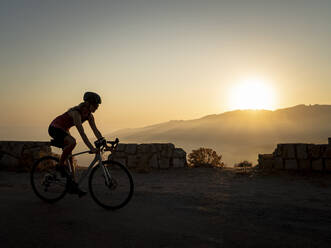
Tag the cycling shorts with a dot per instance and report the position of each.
(57, 134)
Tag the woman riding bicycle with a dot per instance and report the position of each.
(59, 128)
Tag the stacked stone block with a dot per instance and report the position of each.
(298, 156)
(20, 155)
(154, 155)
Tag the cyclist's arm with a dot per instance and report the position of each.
(78, 123)
(96, 132)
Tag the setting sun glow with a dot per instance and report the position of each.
(252, 93)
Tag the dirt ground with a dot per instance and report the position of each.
(176, 208)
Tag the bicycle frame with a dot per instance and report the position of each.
(97, 158)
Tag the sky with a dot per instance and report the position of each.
(155, 61)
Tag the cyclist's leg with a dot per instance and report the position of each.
(72, 167)
(66, 141)
(69, 145)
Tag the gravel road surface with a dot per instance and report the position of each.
(176, 208)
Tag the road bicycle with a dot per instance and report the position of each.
(110, 183)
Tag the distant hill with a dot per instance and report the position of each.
(240, 134)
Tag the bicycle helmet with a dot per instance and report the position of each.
(92, 98)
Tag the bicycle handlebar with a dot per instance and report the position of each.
(114, 143)
(102, 144)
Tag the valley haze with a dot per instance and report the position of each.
(241, 134)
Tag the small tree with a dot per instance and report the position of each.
(243, 164)
(204, 157)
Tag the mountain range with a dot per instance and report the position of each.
(241, 134)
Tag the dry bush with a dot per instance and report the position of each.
(244, 164)
(205, 157)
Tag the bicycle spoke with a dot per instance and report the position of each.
(46, 181)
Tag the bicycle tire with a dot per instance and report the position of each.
(95, 179)
(40, 168)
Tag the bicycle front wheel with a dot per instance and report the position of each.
(111, 185)
(46, 182)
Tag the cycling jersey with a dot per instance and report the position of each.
(65, 121)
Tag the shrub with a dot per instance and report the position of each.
(204, 157)
(243, 164)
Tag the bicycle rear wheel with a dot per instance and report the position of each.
(46, 182)
(115, 194)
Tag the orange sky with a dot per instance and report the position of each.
(155, 61)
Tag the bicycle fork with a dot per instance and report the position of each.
(106, 174)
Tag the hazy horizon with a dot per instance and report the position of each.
(39, 133)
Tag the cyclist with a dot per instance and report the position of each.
(59, 131)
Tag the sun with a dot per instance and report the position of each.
(252, 93)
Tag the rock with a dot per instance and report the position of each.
(302, 151)
(288, 151)
(132, 161)
(8, 162)
(117, 154)
(121, 161)
(328, 164)
(316, 151)
(179, 153)
(158, 146)
(291, 164)
(327, 152)
(267, 164)
(278, 151)
(178, 163)
(167, 146)
(317, 165)
(143, 163)
(121, 147)
(153, 162)
(147, 148)
(143, 148)
(167, 153)
(164, 163)
(279, 163)
(304, 164)
(154, 147)
(266, 161)
(41, 146)
(131, 148)
(265, 156)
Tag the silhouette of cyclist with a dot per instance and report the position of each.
(59, 131)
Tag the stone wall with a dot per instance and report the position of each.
(20, 155)
(148, 156)
(298, 156)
